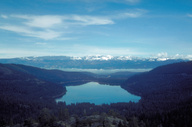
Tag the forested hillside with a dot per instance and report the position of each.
(164, 86)
(54, 76)
(22, 94)
(27, 99)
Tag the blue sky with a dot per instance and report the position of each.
(141, 28)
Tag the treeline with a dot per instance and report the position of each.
(163, 87)
(42, 114)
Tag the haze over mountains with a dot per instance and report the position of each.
(93, 62)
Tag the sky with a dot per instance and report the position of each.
(142, 28)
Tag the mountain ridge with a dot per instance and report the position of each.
(54, 76)
(105, 57)
(169, 83)
(93, 62)
(15, 82)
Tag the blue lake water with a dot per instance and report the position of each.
(94, 92)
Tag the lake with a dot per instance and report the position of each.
(96, 93)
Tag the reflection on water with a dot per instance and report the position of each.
(96, 93)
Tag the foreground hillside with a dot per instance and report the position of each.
(17, 83)
(22, 94)
(169, 84)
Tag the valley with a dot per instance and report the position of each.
(28, 97)
(95, 63)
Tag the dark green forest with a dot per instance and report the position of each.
(28, 94)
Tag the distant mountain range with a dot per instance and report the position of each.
(93, 62)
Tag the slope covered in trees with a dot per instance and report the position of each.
(27, 99)
(168, 84)
(23, 95)
(54, 76)
(17, 83)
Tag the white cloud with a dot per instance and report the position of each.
(134, 13)
(90, 20)
(162, 54)
(4, 16)
(178, 56)
(49, 27)
(189, 57)
(17, 29)
(45, 21)
(129, 15)
(189, 15)
(40, 43)
(52, 26)
(44, 34)
(48, 21)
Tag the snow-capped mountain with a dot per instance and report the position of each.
(94, 62)
(108, 57)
